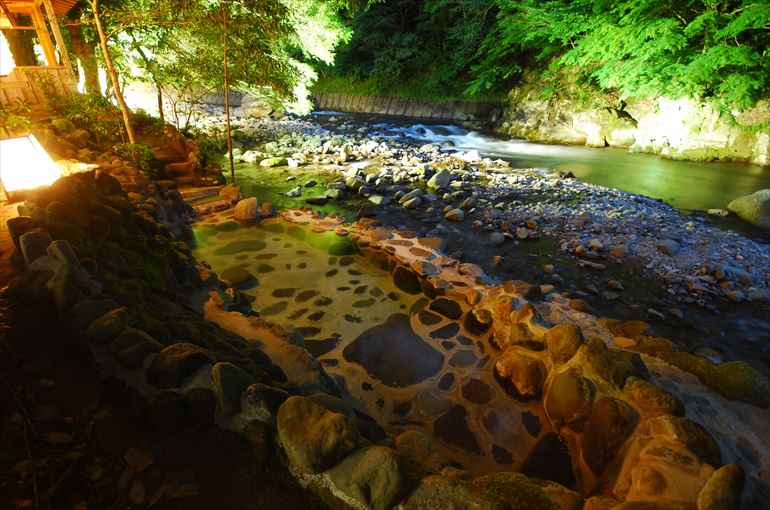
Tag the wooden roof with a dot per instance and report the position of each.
(24, 7)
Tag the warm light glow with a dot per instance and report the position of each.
(6, 58)
(24, 164)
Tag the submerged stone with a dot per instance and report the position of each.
(394, 354)
(240, 246)
(452, 427)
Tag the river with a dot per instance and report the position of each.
(685, 185)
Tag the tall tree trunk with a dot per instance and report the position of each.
(148, 66)
(112, 72)
(225, 13)
(22, 46)
(86, 53)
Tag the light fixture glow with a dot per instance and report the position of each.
(6, 58)
(25, 165)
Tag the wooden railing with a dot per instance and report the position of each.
(37, 85)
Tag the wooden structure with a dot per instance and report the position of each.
(38, 84)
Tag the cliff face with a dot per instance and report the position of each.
(677, 129)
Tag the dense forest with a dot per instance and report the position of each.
(429, 48)
(634, 48)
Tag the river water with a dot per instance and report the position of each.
(686, 185)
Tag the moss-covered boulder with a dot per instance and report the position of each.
(313, 437)
(175, 363)
(372, 476)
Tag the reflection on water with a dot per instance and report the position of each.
(683, 184)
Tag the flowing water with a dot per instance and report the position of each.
(686, 185)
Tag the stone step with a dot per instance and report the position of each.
(197, 193)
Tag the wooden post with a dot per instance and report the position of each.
(43, 35)
(63, 54)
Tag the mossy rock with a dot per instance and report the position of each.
(735, 380)
(514, 490)
(652, 398)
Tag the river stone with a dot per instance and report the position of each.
(247, 209)
(34, 244)
(455, 215)
(452, 427)
(477, 391)
(107, 326)
(754, 208)
(478, 321)
(568, 399)
(371, 476)
(84, 313)
(447, 307)
(133, 345)
(175, 363)
(420, 454)
(437, 492)
(18, 226)
(651, 398)
(615, 365)
(550, 460)
(684, 431)
(563, 341)
(440, 179)
(394, 354)
(313, 437)
(272, 162)
(723, 489)
(406, 280)
(515, 491)
(525, 373)
(611, 423)
(228, 382)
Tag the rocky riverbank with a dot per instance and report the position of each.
(572, 399)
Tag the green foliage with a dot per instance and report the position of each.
(14, 117)
(140, 154)
(628, 48)
(272, 46)
(91, 112)
(146, 122)
(211, 144)
(637, 48)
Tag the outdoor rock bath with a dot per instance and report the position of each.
(213, 296)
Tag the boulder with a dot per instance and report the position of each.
(313, 437)
(568, 399)
(107, 326)
(247, 209)
(228, 382)
(525, 373)
(515, 490)
(34, 244)
(175, 363)
(615, 365)
(420, 454)
(723, 489)
(651, 398)
(611, 423)
(133, 345)
(200, 406)
(754, 208)
(372, 476)
(563, 341)
(686, 432)
(442, 493)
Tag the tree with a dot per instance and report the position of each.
(113, 74)
(84, 47)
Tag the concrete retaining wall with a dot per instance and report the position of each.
(401, 107)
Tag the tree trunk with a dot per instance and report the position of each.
(112, 72)
(227, 96)
(22, 46)
(86, 53)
